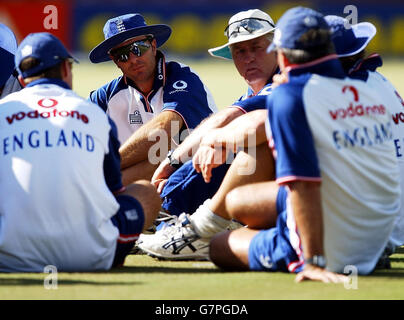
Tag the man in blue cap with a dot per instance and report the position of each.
(66, 205)
(151, 95)
(337, 187)
(8, 75)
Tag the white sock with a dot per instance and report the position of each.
(206, 223)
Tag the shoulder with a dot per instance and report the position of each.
(288, 94)
(107, 91)
(181, 74)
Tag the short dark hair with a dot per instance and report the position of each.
(299, 56)
(53, 72)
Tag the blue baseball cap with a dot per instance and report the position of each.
(125, 27)
(349, 39)
(43, 46)
(293, 24)
(8, 47)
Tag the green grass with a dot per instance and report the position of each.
(145, 278)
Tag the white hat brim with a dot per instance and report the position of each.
(223, 51)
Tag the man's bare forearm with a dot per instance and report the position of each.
(307, 209)
(246, 131)
(136, 148)
(189, 146)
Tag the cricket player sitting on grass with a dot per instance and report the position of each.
(65, 204)
(8, 75)
(153, 97)
(337, 181)
(249, 32)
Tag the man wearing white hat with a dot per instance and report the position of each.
(249, 33)
(151, 94)
(8, 46)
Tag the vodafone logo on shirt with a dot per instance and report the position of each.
(356, 109)
(47, 103)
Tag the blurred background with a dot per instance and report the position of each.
(197, 26)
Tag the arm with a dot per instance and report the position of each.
(187, 149)
(244, 132)
(307, 210)
(136, 148)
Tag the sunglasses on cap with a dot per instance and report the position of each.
(138, 48)
(248, 24)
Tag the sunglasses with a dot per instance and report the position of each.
(249, 24)
(138, 48)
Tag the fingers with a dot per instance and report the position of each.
(161, 185)
(319, 274)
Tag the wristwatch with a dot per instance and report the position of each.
(173, 162)
(318, 261)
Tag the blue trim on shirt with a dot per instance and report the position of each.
(57, 82)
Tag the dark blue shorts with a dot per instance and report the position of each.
(271, 249)
(129, 220)
(186, 190)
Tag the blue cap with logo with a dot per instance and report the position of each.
(293, 24)
(43, 46)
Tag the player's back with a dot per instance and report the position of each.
(352, 133)
(330, 128)
(56, 206)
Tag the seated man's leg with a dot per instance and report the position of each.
(188, 239)
(252, 204)
(246, 168)
(139, 207)
(258, 250)
(186, 190)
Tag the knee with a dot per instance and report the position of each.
(216, 250)
(234, 202)
(147, 195)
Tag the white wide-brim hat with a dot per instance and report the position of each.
(243, 26)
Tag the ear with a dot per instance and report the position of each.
(65, 68)
(283, 62)
(154, 46)
(21, 81)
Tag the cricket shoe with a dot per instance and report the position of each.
(162, 221)
(175, 242)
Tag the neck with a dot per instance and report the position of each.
(143, 86)
(257, 86)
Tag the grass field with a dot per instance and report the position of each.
(144, 278)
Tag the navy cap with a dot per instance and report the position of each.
(293, 24)
(8, 46)
(43, 46)
(349, 39)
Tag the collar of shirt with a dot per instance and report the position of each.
(328, 66)
(370, 63)
(57, 82)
